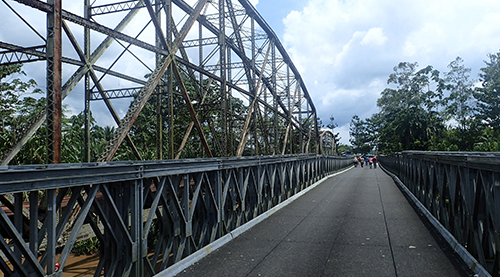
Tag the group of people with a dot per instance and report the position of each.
(366, 160)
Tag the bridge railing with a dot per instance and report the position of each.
(146, 216)
(462, 191)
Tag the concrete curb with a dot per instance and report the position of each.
(203, 252)
(471, 262)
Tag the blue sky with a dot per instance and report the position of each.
(275, 11)
(345, 50)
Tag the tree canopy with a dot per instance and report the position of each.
(423, 109)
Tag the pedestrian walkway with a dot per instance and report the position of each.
(357, 223)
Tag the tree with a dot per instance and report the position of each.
(488, 96)
(360, 135)
(460, 104)
(410, 110)
(332, 125)
(18, 104)
(459, 107)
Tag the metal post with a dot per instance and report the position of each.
(170, 77)
(289, 125)
(200, 49)
(54, 68)
(230, 104)
(301, 125)
(136, 230)
(275, 100)
(86, 39)
(34, 221)
(159, 117)
(51, 231)
(222, 50)
(253, 89)
(18, 218)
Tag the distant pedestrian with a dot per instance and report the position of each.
(370, 161)
(355, 161)
(366, 160)
(374, 162)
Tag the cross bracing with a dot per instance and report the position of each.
(189, 55)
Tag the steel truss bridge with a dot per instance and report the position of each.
(204, 59)
(460, 192)
(147, 216)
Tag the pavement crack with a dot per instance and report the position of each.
(386, 226)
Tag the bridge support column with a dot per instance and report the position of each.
(54, 68)
(139, 249)
(220, 204)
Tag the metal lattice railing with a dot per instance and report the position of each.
(146, 216)
(462, 191)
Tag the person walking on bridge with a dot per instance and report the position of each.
(374, 162)
(360, 160)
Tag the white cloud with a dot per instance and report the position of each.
(374, 36)
(254, 2)
(346, 49)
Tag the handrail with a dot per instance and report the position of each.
(147, 215)
(462, 191)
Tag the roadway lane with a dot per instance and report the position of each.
(354, 224)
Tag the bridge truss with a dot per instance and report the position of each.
(215, 62)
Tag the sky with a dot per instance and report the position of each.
(345, 50)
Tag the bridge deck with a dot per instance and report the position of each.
(355, 223)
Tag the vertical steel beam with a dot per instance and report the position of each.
(136, 227)
(18, 218)
(252, 87)
(159, 118)
(51, 223)
(86, 49)
(34, 221)
(170, 77)
(200, 50)
(275, 98)
(222, 51)
(230, 151)
(301, 124)
(54, 68)
(290, 106)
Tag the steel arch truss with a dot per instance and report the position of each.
(208, 55)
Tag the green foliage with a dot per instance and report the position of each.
(18, 104)
(488, 96)
(488, 141)
(408, 109)
(87, 247)
(361, 135)
(209, 114)
(423, 111)
(460, 103)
